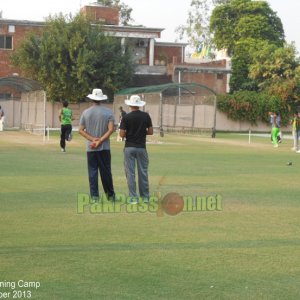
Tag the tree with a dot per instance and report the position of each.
(71, 57)
(277, 70)
(243, 19)
(197, 25)
(240, 26)
(240, 63)
(124, 10)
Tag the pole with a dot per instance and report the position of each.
(161, 131)
(48, 133)
(215, 118)
(44, 125)
(179, 89)
(249, 141)
(194, 109)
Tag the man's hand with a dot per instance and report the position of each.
(96, 143)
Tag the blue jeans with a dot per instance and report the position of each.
(137, 156)
(100, 161)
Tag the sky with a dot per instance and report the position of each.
(167, 14)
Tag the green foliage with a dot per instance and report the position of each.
(196, 28)
(240, 62)
(252, 106)
(71, 57)
(243, 19)
(277, 70)
(241, 26)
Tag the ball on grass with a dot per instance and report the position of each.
(172, 204)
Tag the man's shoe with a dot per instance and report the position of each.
(63, 150)
(94, 199)
(112, 198)
(69, 139)
(133, 201)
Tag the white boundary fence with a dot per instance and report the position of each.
(19, 114)
(38, 115)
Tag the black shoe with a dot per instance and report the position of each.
(112, 198)
(94, 199)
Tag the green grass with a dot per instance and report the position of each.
(249, 250)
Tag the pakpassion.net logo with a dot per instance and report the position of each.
(171, 204)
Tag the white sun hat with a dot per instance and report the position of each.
(135, 100)
(97, 95)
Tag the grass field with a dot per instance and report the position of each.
(248, 250)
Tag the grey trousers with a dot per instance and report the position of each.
(296, 135)
(139, 156)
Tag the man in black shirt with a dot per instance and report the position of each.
(135, 126)
(121, 116)
(122, 113)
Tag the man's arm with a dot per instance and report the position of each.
(150, 131)
(59, 115)
(150, 127)
(122, 133)
(85, 134)
(109, 131)
(97, 140)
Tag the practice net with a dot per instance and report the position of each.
(180, 108)
(33, 113)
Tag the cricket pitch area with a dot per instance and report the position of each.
(246, 248)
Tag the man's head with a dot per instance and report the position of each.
(121, 108)
(65, 103)
(135, 102)
(97, 96)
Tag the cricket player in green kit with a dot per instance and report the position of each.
(275, 121)
(65, 117)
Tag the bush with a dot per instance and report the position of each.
(252, 106)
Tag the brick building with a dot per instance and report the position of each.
(157, 62)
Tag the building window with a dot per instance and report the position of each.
(5, 42)
(11, 28)
(220, 76)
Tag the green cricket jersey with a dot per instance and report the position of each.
(66, 116)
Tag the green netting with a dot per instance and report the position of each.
(168, 88)
(20, 83)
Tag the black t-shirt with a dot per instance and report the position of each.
(136, 124)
